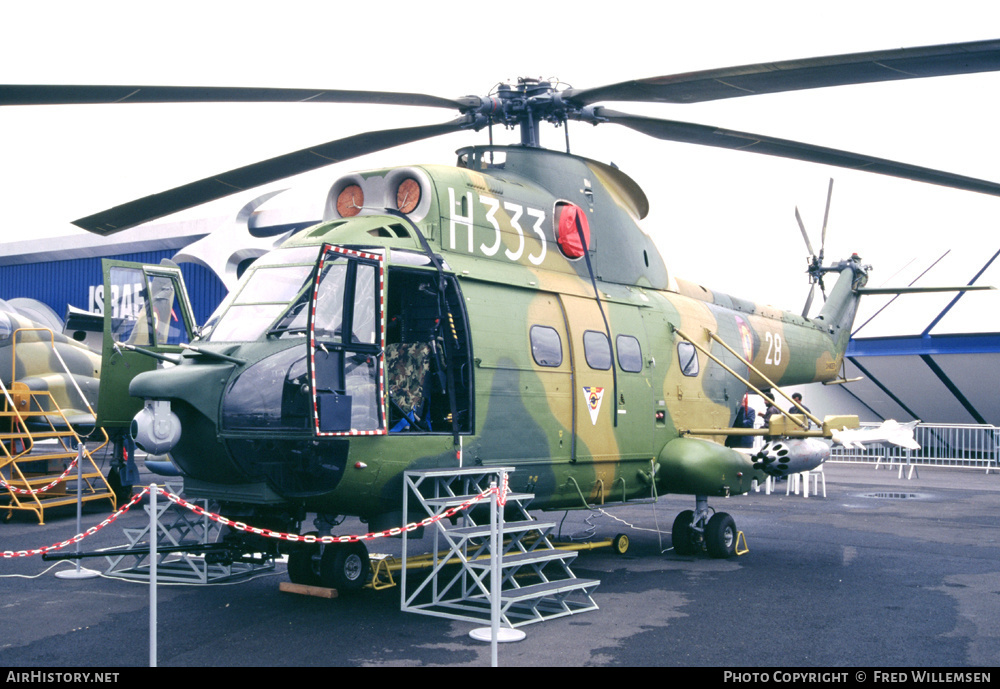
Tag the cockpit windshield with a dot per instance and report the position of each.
(275, 281)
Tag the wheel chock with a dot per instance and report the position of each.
(740, 537)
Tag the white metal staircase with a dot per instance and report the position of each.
(536, 580)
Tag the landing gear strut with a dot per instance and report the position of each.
(697, 530)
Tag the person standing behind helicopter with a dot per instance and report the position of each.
(797, 398)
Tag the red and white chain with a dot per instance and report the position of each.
(80, 536)
(29, 491)
(501, 492)
(312, 538)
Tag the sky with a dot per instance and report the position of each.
(721, 218)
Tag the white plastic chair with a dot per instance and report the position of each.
(815, 474)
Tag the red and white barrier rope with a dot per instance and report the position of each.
(501, 492)
(80, 536)
(30, 491)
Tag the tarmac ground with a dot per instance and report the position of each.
(884, 572)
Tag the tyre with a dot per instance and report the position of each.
(620, 544)
(344, 566)
(303, 566)
(682, 535)
(123, 492)
(720, 536)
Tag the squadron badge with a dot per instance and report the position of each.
(593, 395)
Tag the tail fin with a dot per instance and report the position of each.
(842, 305)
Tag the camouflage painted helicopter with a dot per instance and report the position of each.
(31, 347)
(507, 311)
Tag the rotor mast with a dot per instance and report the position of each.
(525, 106)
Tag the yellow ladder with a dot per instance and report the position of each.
(37, 444)
(28, 467)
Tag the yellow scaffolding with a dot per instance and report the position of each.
(35, 475)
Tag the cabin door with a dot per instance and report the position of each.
(594, 408)
(146, 307)
(346, 343)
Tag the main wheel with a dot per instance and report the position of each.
(123, 492)
(682, 534)
(304, 565)
(720, 535)
(344, 566)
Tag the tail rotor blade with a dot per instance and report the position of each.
(805, 235)
(826, 217)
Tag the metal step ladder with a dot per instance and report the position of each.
(537, 583)
(37, 443)
(184, 540)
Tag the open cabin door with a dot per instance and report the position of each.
(145, 306)
(347, 343)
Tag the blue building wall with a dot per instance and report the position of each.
(73, 282)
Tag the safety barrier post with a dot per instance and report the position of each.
(153, 527)
(79, 572)
(495, 530)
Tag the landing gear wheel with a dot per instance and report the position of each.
(720, 536)
(620, 544)
(304, 566)
(344, 566)
(123, 493)
(682, 535)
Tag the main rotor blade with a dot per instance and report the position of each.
(809, 300)
(671, 130)
(794, 75)
(219, 186)
(32, 94)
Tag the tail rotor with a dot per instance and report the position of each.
(815, 264)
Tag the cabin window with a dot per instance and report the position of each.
(546, 346)
(165, 310)
(629, 354)
(141, 319)
(273, 282)
(597, 350)
(270, 394)
(346, 347)
(687, 357)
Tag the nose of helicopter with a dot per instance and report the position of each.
(156, 429)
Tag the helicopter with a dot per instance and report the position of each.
(37, 354)
(505, 311)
